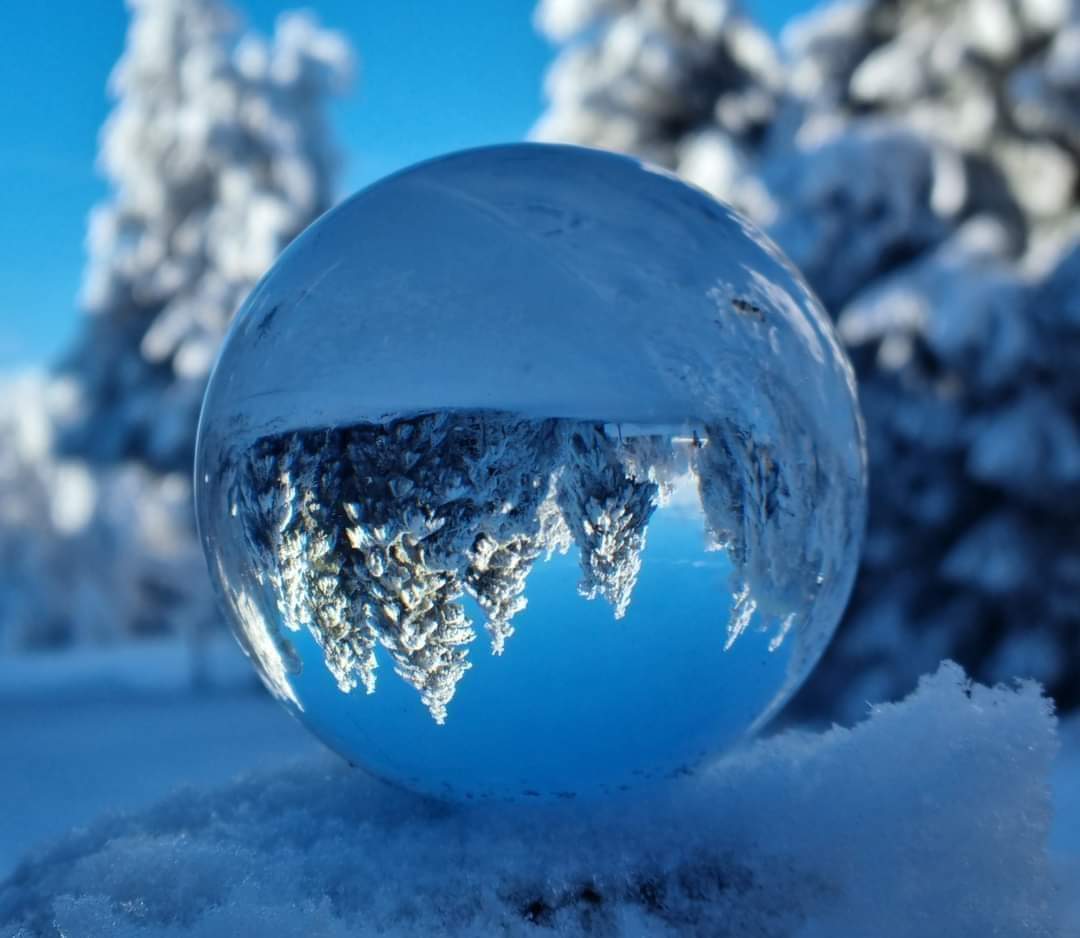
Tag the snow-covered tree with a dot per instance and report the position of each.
(982, 81)
(87, 556)
(919, 160)
(689, 84)
(962, 339)
(218, 153)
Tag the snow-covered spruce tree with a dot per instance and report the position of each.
(987, 83)
(87, 556)
(689, 84)
(218, 153)
(962, 341)
(921, 168)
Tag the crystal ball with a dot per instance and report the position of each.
(531, 472)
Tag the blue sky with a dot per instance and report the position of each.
(435, 75)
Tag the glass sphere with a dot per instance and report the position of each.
(531, 471)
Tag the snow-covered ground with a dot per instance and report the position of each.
(1065, 833)
(94, 732)
(930, 818)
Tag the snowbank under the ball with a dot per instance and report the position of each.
(930, 818)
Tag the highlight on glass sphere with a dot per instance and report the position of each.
(531, 471)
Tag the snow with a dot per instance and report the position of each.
(150, 667)
(932, 817)
(99, 731)
(1065, 834)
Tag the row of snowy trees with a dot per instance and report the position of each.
(218, 153)
(919, 161)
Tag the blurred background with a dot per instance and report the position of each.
(916, 159)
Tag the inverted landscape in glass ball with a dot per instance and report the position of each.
(531, 471)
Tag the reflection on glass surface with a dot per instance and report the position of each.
(531, 472)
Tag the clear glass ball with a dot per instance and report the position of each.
(531, 471)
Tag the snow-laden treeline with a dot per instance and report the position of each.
(918, 160)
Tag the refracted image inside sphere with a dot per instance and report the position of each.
(531, 471)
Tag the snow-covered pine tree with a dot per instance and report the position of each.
(88, 555)
(371, 535)
(921, 167)
(689, 84)
(218, 153)
(963, 342)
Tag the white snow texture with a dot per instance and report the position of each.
(930, 818)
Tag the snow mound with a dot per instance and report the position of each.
(929, 818)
